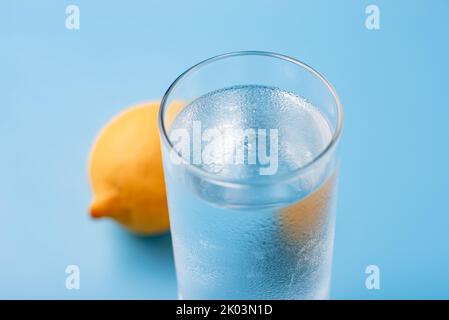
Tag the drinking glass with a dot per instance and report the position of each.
(238, 233)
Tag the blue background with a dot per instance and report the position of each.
(59, 87)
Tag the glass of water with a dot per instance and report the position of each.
(250, 157)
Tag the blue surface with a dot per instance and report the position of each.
(59, 87)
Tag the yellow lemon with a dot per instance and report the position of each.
(125, 171)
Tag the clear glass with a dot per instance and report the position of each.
(239, 233)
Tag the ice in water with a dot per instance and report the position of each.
(303, 131)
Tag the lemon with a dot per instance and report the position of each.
(125, 172)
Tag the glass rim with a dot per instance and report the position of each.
(225, 181)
